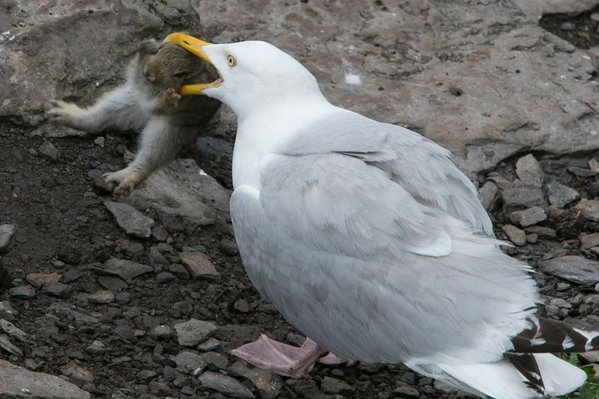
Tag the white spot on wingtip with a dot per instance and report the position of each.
(590, 336)
(202, 173)
(353, 79)
(568, 343)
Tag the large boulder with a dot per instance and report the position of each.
(74, 50)
(481, 78)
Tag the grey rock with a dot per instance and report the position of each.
(529, 171)
(209, 345)
(560, 303)
(268, 384)
(134, 248)
(189, 362)
(49, 150)
(588, 241)
(111, 283)
(101, 297)
(514, 234)
(523, 197)
(77, 373)
(241, 305)
(76, 315)
(7, 231)
(575, 269)
(542, 231)
(39, 279)
(8, 328)
(594, 163)
(181, 195)
(71, 276)
(582, 172)
(22, 292)
(228, 247)
(528, 217)
(192, 332)
(225, 385)
(165, 277)
(96, 348)
(561, 195)
(162, 332)
(335, 386)
(7, 312)
(125, 269)
(58, 290)
(7, 346)
(501, 127)
(125, 332)
(407, 391)
(306, 388)
(216, 360)
(100, 141)
(199, 265)
(589, 209)
(122, 298)
(561, 286)
(487, 194)
(159, 233)
(49, 25)
(179, 270)
(130, 219)
(18, 382)
(157, 259)
(146, 375)
(532, 238)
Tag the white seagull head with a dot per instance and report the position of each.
(254, 75)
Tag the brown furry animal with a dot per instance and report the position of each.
(147, 102)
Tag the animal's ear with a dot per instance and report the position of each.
(149, 46)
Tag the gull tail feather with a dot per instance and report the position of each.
(547, 335)
(501, 380)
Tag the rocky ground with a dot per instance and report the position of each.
(144, 297)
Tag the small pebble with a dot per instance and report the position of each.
(101, 297)
(96, 348)
(122, 298)
(514, 234)
(209, 345)
(335, 386)
(192, 332)
(225, 385)
(162, 332)
(100, 141)
(165, 277)
(48, 149)
(58, 290)
(216, 360)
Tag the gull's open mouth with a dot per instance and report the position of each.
(194, 46)
(195, 89)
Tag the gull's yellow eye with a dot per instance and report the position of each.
(231, 61)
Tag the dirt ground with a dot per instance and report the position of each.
(64, 227)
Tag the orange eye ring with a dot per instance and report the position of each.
(231, 61)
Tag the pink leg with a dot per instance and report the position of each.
(331, 359)
(280, 358)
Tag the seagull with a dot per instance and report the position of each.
(370, 241)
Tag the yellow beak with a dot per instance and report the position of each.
(194, 46)
(189, 43)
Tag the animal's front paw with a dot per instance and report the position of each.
(58, 111)
(121, 183)
(170, 99)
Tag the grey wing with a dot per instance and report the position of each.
(356, 263)
(423, 168)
